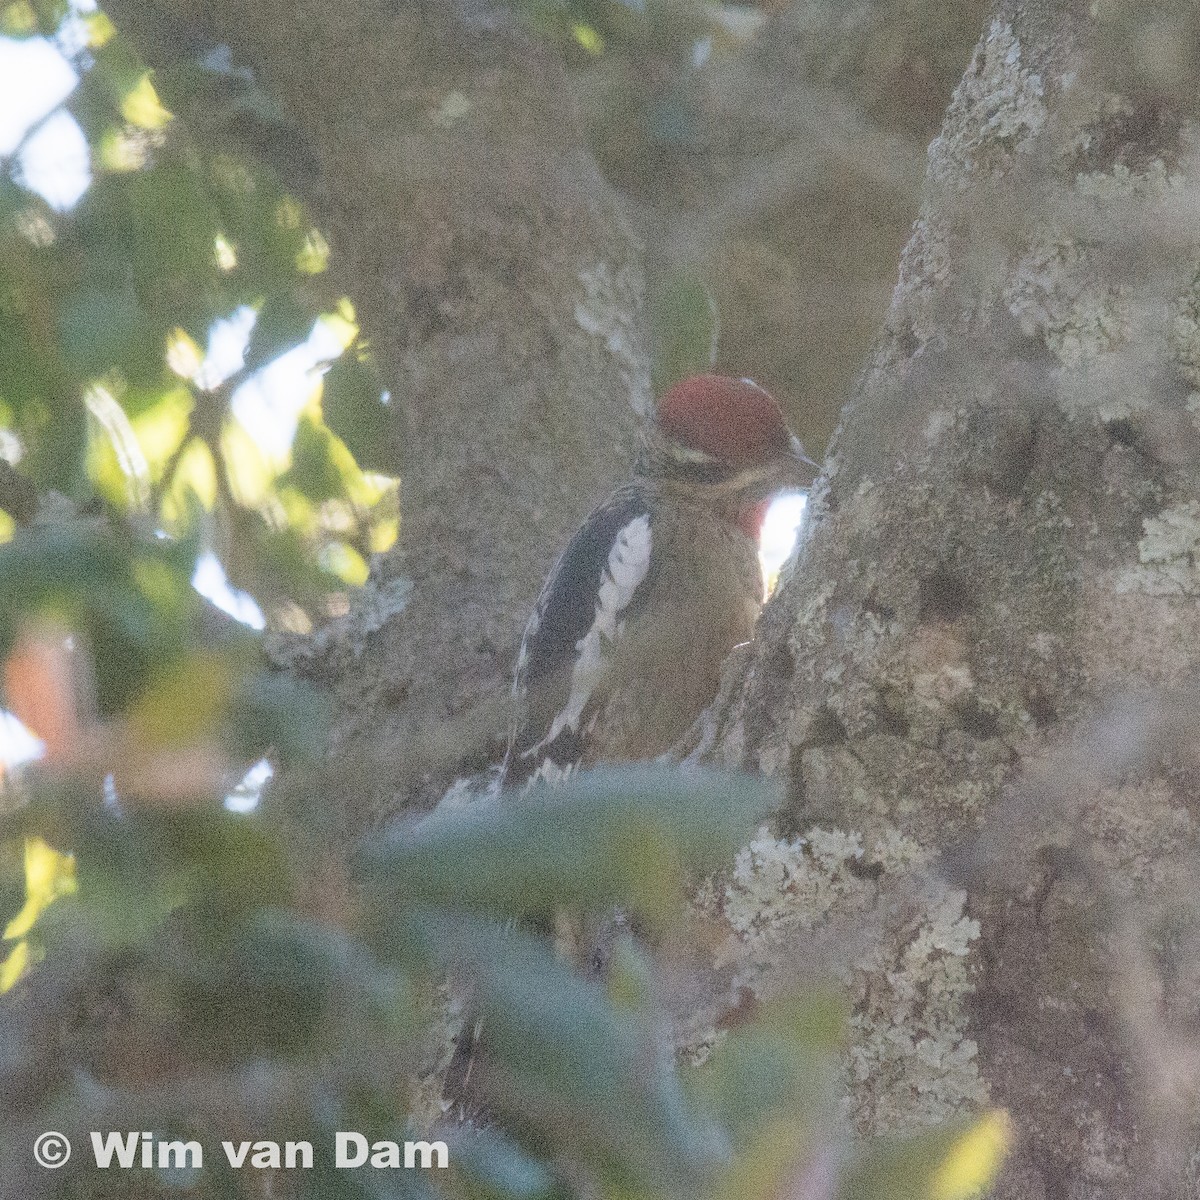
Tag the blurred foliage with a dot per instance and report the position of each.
(105, 313)
(244, 1006)
(592, 26)
(684, 329)
(172, 963)
(46, 876)
(230, 976)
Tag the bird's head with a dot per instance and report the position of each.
(724, 441)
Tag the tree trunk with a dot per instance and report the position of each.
(1002, 552)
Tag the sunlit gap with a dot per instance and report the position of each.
(227, 342)
(269, 403)
(245, 797)
(210, 580)
(780, 528)
(55, 162)
(18, 745)
(36, 76)
(267, 406)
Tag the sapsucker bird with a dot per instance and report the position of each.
(625, 645)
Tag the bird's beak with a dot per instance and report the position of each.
(802, 472)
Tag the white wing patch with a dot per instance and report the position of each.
(551, 773)
(628, 562)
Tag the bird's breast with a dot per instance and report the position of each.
(704, 600)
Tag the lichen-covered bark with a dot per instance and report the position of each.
(1004, 547)
(500, 287)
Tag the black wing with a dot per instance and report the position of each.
(596, 585)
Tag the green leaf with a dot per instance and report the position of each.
(272, 564)
(183, 702)
(96, 101)
(268, 986)
(12, 883)
(621, 836)
(50, 14)
(353, 407)
(57, 434)
(131, 601)
(282, 324)
(95, 324)
(492, 1167)
(261, 221)
(775, 1082)
(630, 975)
(36, 385)
(174, 221)
(684, 328)
(133, 870)
(155, 229)
(785, 1062)
(314, 472)
(18, 20)
(281, 713)
(596, 1078)
(956, 1161)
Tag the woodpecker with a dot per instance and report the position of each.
(625, 644)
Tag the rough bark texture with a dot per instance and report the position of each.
(500, 287)
(1005, 548)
